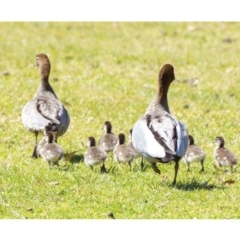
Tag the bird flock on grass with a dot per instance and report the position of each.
(157, 136)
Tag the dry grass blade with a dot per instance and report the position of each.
(230, 181)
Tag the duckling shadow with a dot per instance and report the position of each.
(142, 167)
(195, 185)
(74, 158)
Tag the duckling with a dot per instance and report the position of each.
(122, 152)
(45, 108)
(44, 140)
(40, 145)
(51, 151)
(95, 155)
(158, 136)
(136, 154)
(194, 154)
(224, 157)
(109, 140)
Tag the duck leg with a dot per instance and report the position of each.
(103, 169)
(129, 163)
(155, 168)
(176, 172)
(142, 164)
(202, 170)
(188, 165)
(35, 154)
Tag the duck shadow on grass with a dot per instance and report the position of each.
(194, 185)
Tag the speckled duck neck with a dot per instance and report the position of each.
(44, 67)
(160, 102)
(121, 139)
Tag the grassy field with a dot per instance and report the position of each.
(108, 71)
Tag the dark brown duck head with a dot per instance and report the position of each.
(165, 78)
(50, 128)
(50, 137)
(44, 66)
(121, 139)
(219, 141)
(91, 142)
(107, 127)
(190, 140)
(130, 134)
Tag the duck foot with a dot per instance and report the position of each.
(155, 168)
(103, 169)
(35, 154)
(142, 164)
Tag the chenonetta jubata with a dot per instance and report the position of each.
(122, 152)
(51, 151)
(94, 155)
(136, 153)
(194, 154)
(41, 145)
(108, 140)
(45, 108)
(158, 136)
(44, 140)
(224, 157)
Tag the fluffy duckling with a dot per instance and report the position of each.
(122, 152)
(158, 136)
(194, 154)
(109, 140)
(223, 157)
(51, 151)
(94, 155)
(40, 145)
(44, 140)
(44, 108)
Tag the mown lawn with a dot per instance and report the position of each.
(108, 71)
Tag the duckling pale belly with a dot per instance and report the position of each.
(52, 153)
(41, 144)
(193, 158)
(94, 156)
(108, 142)
(224, 158)
(193, 154)
(123, 154)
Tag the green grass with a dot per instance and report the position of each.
(108, 71)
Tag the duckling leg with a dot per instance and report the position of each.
(129, 163)
(56, 137)
(142, 164)
(34, 154)
(202, 170)
(103, 169)
(176, 172)
(188, 165)
(155, 168)
(56, 164)
(51, 164)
